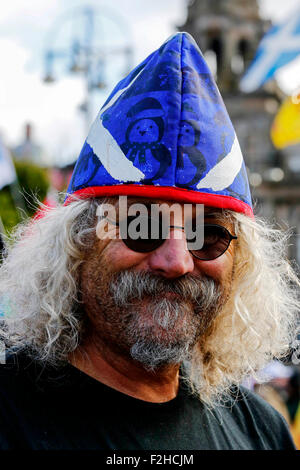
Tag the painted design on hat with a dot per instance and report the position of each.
(105, 152)
(143, 146)
(188, 140)
(223, 173)
(240, 189)
(108, 150)
(200, 84)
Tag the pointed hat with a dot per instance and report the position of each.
(164, 133)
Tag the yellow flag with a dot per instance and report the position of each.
(285, 129)
(295, 428)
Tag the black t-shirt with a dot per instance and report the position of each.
(46, 408)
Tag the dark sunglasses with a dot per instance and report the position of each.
(215, 242)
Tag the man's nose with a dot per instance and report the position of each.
(172, 259)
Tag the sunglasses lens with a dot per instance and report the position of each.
(216, 242)
(141, 245)
(144, 234)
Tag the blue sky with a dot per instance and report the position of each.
(27, 29)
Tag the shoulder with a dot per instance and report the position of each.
(17, 367)
(259, 417)
(247, 402)
(21, 399)
(255, 403)
(21, 372)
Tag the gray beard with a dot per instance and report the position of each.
(165, 330)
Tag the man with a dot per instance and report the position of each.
(124, 332)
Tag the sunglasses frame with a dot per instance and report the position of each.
(231, 237)
(162, 240)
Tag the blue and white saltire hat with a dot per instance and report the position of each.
(164, 133)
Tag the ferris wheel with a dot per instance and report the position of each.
(92, 43)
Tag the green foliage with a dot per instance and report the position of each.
(8, 213)
(33, 186)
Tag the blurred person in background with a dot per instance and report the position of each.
(59, 179)
(143, 342)
(275, 381)
(270, 394)
(281, 388)
(293, 393)
(293, 404)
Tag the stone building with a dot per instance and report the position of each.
(228, 33)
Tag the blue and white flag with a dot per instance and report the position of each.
(7, 169)
(278, 47)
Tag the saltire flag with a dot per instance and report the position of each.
(278, 47)
(285, 129)
(7, 169)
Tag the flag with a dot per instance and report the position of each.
(7, 169)
(285, 129)
(278, 47)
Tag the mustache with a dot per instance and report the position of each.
(127, 286)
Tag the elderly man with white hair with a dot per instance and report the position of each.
(134, 311)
